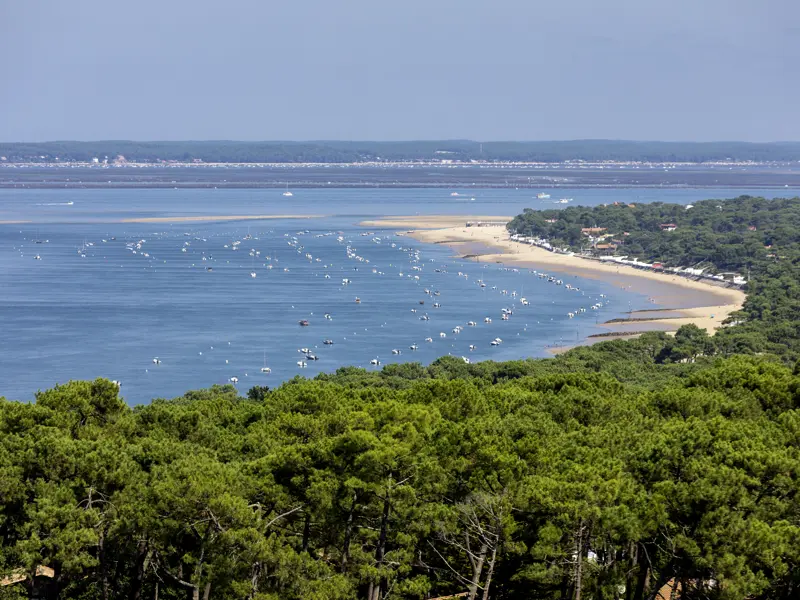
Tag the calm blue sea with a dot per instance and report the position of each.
(137, 292)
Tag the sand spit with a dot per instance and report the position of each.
(702, 303)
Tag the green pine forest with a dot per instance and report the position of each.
(611, 472)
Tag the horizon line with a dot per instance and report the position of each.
(401, 141)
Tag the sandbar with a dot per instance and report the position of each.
(702, 303)
(192, 219)
(430, 221)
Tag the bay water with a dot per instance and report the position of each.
(165, 307)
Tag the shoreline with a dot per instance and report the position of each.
(687, 301)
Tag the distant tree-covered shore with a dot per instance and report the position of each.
(225, 151)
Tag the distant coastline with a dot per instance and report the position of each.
(444, 175)
(338, 151)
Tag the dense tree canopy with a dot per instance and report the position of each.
(501, 480)
(756, 237)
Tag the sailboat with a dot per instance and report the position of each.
(265, 368)
(287, 193)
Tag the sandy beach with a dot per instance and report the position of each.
(686, 301)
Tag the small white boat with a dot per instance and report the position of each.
(287, 193)
(234, 380)
(542, 196)
(156, 361)
(412, 347)
(442, 334)
(253, 274)
(428, 339)
(396, 351)
(375, 362)
(487, 320)
(265, 369)
(472, 347)
(302, 363)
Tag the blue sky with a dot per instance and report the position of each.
(416, 69)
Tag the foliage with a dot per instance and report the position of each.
(756, 237)
(550, 479)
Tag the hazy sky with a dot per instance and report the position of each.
(403, 69)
